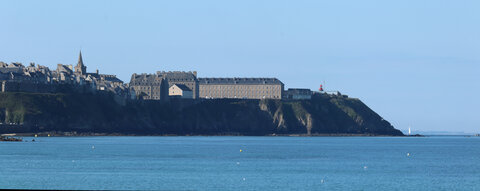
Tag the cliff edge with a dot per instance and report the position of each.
(105, 113)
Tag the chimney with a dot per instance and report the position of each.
(97, 70)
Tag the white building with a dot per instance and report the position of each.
(180, 90)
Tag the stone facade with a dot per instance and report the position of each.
(180, 91)
(150, 86)
(241, 88)
(15, 77)
(188, 79)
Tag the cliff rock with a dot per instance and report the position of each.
(103, 113)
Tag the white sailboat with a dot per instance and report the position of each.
(409, 131)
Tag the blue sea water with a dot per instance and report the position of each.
(265, 163)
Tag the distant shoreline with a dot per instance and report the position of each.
(71, 134)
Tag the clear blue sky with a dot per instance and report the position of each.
(414, 62)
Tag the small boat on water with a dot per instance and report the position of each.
(10, 137)
(477, 135)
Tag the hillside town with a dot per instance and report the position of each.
(162, 86)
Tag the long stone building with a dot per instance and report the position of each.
(241, 88)
(189, 79)
(150, 86)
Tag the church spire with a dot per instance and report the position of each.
(80, 60)
(80, 68)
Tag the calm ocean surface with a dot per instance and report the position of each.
(265, 163)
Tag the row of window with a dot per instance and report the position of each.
(146, 84)
(253, 87)
(152, 97)
(237, 92)
(241, 97)
(146, 87)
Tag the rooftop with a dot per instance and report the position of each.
(246, 81)
(182, 87)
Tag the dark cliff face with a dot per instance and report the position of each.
(327, 115)
(107, 114)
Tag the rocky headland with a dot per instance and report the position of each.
(106, 114)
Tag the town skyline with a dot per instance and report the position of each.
(404, 59)
(159, 85)
(125, 79)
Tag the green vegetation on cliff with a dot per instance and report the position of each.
(104, 113)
